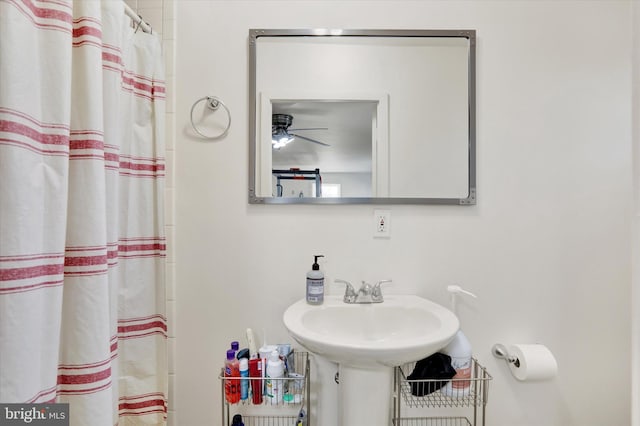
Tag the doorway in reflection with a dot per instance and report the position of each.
(334, 137)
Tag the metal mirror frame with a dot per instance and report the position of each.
(254, 34)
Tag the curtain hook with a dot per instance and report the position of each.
(139, 24)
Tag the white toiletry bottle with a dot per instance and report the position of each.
(459, 349)
(315, 283)
(275, 374)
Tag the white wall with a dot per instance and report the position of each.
(547, 247)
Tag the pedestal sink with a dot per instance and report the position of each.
(367, 341)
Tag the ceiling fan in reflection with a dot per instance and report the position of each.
(281, 133)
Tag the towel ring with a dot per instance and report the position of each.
(213, 104)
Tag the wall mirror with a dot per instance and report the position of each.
(362, 116)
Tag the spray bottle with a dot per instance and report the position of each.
(274, 382)
(459, 349)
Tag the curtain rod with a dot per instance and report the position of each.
(137, 19)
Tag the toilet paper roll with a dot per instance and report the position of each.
(535, 362)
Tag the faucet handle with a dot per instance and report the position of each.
(349, 291)
(376, 293)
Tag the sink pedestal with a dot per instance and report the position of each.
(364, 397)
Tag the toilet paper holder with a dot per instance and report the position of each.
(500, 351)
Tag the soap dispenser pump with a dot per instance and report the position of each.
(315, 283)
(459, 349)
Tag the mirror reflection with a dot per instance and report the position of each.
(362, 118)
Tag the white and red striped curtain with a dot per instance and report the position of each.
(82, 247)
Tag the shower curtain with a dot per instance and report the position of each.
(82, 247)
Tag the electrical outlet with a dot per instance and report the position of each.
(382, 223)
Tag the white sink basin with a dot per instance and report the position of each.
(401, 329)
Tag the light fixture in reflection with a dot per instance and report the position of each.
(280, 137)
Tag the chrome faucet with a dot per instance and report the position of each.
(364, 293)
(367, 293)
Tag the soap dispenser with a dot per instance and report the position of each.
(315, 283)
(459, 349)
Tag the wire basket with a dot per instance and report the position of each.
(292, 387)
(432, 421)
(476, 389)
(268, 420)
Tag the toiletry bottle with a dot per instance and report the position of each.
(242, 353)
(459, 349)
(315, 283)
(275, 375)
(257, 385)
(264, 353)
(244, 381)
(232, 377)
(251, 341)
(302, 418)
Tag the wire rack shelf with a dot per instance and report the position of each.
(271, 411)
(428, 394)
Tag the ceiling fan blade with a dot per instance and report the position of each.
(309, 139)
(311, 128)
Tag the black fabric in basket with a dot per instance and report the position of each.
(436, 369)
